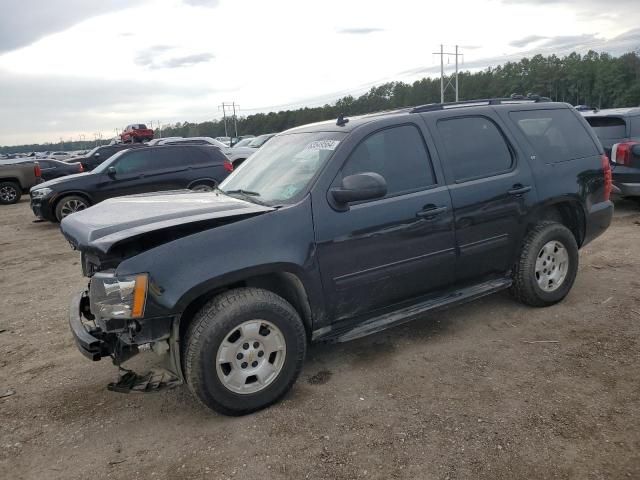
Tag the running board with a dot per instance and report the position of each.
(406, 314)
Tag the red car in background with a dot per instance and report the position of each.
(137, 132)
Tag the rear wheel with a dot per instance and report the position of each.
(71, 204)
(547, 267)
(244, 350)
(9, 193)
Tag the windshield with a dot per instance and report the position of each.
(108, 162)
(259, 141)
(282, 170)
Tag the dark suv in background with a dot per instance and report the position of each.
(139, 170)
(619, 131)
(336, 230)
(99, 154)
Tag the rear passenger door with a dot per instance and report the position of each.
(168, 168)
(491, 188)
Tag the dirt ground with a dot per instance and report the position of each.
(465, 393)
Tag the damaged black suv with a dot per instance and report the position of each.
(333, 231)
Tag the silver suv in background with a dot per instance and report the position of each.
(239, 154)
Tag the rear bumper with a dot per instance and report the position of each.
(628, 189)
(598, 220)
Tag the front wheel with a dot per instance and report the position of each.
(71, 204)
(547, 266)
(244, 350)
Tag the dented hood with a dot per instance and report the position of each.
(113, 221)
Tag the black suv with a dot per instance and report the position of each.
(139, 170)
(619, 131)
(337, 230)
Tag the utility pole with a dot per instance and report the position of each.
(160, 128)
(443, 86)
(224, 116)
(232, 106)
(235, 120)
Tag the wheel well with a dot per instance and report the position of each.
(285, 284)
(203, 181)
(12, 180)
(568, 214)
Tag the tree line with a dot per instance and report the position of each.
(596, 79)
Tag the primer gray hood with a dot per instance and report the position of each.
(104, 225)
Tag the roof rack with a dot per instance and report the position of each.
(430, 107)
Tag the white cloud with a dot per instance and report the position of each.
(176, 60)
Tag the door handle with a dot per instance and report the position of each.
(431, 212)
(519, 189)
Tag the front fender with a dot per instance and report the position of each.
(186, 268)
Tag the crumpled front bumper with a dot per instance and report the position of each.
(89, 340)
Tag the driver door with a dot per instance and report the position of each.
(130, 177)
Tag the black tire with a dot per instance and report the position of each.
(61, 211)
(215, 322)
(525, 286)
(238, 162)
(10, 193)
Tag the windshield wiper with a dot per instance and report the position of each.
(243, 192)
(246, 194)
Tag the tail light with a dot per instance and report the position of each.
(37, 171)
(80, 167)
(621, 153)
(228, 166)
(606, 167)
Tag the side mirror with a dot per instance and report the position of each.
(635, 150)
(359, 187)
(111, 171)
(96, 155)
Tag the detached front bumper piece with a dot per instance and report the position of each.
(87, 339)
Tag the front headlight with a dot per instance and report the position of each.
(40, 192)
(118, 297)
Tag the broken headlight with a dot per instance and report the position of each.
(113, 296)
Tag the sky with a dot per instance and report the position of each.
(71, 69)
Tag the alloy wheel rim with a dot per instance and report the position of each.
(552, 265)
(8, 194)
(251, 357)
(72, 206)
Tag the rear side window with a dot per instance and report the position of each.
(556, 135)
(162, 158)
(398, 154)
(475, 147)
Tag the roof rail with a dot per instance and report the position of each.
(430, 107)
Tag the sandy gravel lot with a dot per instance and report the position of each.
(457, 394)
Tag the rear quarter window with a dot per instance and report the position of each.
(555, 135)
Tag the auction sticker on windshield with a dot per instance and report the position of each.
(322, 145)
